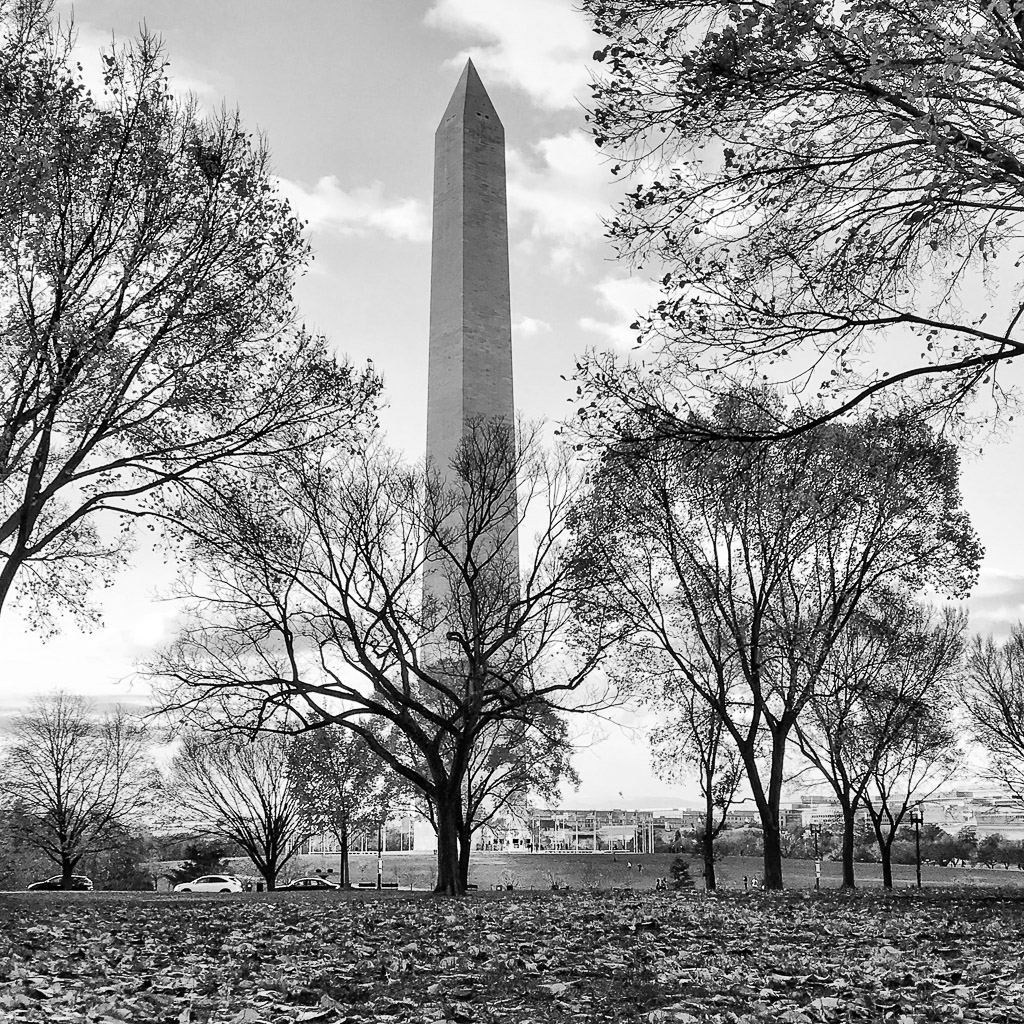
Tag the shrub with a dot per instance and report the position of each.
(679, 869)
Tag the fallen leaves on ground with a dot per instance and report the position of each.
(661, 958)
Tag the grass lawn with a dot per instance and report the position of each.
(599, 871)
(516, 957)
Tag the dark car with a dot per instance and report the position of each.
(79, 882)
(309, 884)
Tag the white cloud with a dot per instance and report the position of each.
(529, 327)
(997, 603)
(357, 211)
(562, 189)
(539, 46)
(621, 299)
(185, 78)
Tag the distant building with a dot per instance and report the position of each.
(590, 830)
(983, 811)
(402, 834)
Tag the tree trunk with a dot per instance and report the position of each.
(767, 803)
(772, 850)
(708, 839)
(271, 867)
(884, 842)
(709, 860)
(465, 848)
(67, 868)
(346, 880)
(885, 850)
(849, 828)
(449, 879)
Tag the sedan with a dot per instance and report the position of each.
(309, 884)
(211, 883)
(79, 882)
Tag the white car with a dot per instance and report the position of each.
(210, 883)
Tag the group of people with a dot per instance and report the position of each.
(659, 883)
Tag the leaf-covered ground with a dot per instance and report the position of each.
(566, 956)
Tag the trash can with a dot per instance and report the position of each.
(259, 887)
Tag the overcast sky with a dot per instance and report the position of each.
(348, 93)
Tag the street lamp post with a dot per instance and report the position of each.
(917, 819)
(816, 833)
(380, 855)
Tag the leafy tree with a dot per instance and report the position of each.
(201, 858)
(865, 847)
(993, 697)
(889, 662)
(679, 870)
(341, 784)
(744, 841)
(20, 863)
(825, 189)
(939, 846)
(124, 864)
(240, 790)
(799, 842)
(528, 756)
(147, 329)
(696, 736)
(358, 591)
(743, 564)
(1011, 853)
(919, 758)
(989, 850)
(77, 779)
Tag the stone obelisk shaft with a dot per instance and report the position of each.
(469, 379)
(470, 367)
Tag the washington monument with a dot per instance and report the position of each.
(469, 379)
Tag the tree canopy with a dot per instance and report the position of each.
(147, 327)
(358, 589)
(342, 785)
(829, 193)
(993, 697)
(239, 789)
(76, 778)
(739, 565)
(895, 664)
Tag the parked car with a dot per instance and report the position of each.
(310, 883)
(210, 883)
(79, 882)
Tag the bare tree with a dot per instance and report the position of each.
(889, 664)
(697, 737)
(825, 192)
(993, 696)
(147, 327)
(240, 789)
(313, 604)
(342, 785)
(76, 778)
(917, 760)
(743, 563)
